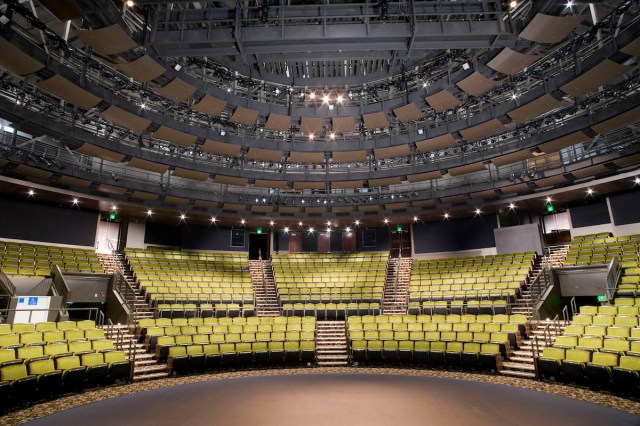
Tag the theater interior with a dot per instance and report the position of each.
(319, 212)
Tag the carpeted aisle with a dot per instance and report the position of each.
(336, 399)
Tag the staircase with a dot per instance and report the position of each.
(145, 366)
(331, 346)
(395, 297)
(521, 360)
(264, 288)
(116, 261)
(110, 262)
(555, 258)
(557, 255)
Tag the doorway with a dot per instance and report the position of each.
(259, 246)
(324, 242)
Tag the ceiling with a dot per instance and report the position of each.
(264, 60)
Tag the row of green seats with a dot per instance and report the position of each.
(25, 383)
(456, 354)
(197, 358)
(9, 354)
(605, 369)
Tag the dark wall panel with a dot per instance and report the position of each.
(281, 242)
(29, 220)
(455, 235)
(336, 241)
(589, 215)
(309, 241)
(191, 237)
(383, 242)
(624, 208)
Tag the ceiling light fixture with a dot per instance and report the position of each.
(446, 215)
(114, 207)
(589, 191)
(183, 216)
(286, 229)
(311, 230)
(130, 3)
(299, 223)
(357, 222)
(478, 212)
(512, 206)
(325, 99)
(213, 219)
(149, 212)
(242, 221)
(548, 199)
(348, 229)
(31, 193)
(386, 220)
(76, 201)
(513, 4)
(415, 218)
(271, 223)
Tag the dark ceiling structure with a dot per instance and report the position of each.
(300, 110)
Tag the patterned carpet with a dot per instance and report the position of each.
(67, 402)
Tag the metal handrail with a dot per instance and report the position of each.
(95, 314)
(4, 280)
(126, 291)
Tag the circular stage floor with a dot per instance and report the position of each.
(340, 399)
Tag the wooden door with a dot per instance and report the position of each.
(349, 242)
(295, 242)
(324, 242)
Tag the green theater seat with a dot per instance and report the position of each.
(550, 363)
(626, 376)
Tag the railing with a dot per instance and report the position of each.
(43, 287)
(94, 314)
(59, 286)
(127, 293)
(540, 284)
(7, 284)
(614, 271)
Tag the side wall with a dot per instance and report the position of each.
(622, 216)
(32, 221)
(471, 235)
(191, 237)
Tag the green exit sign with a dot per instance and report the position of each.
(601, 298)
(399, 228)
(550, 208)
(259, 231)
(112, 215)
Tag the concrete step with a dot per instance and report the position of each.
(514, 373)
(522, 353)
(151, 376)
(145, 362)
(332, 363)
(156, 368)
(341, 357)
(522, 359)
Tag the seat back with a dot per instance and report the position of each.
(42, 366)
(92, 360)
(68, 362)
(578, 355)
(605, 359)
(13, 372)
